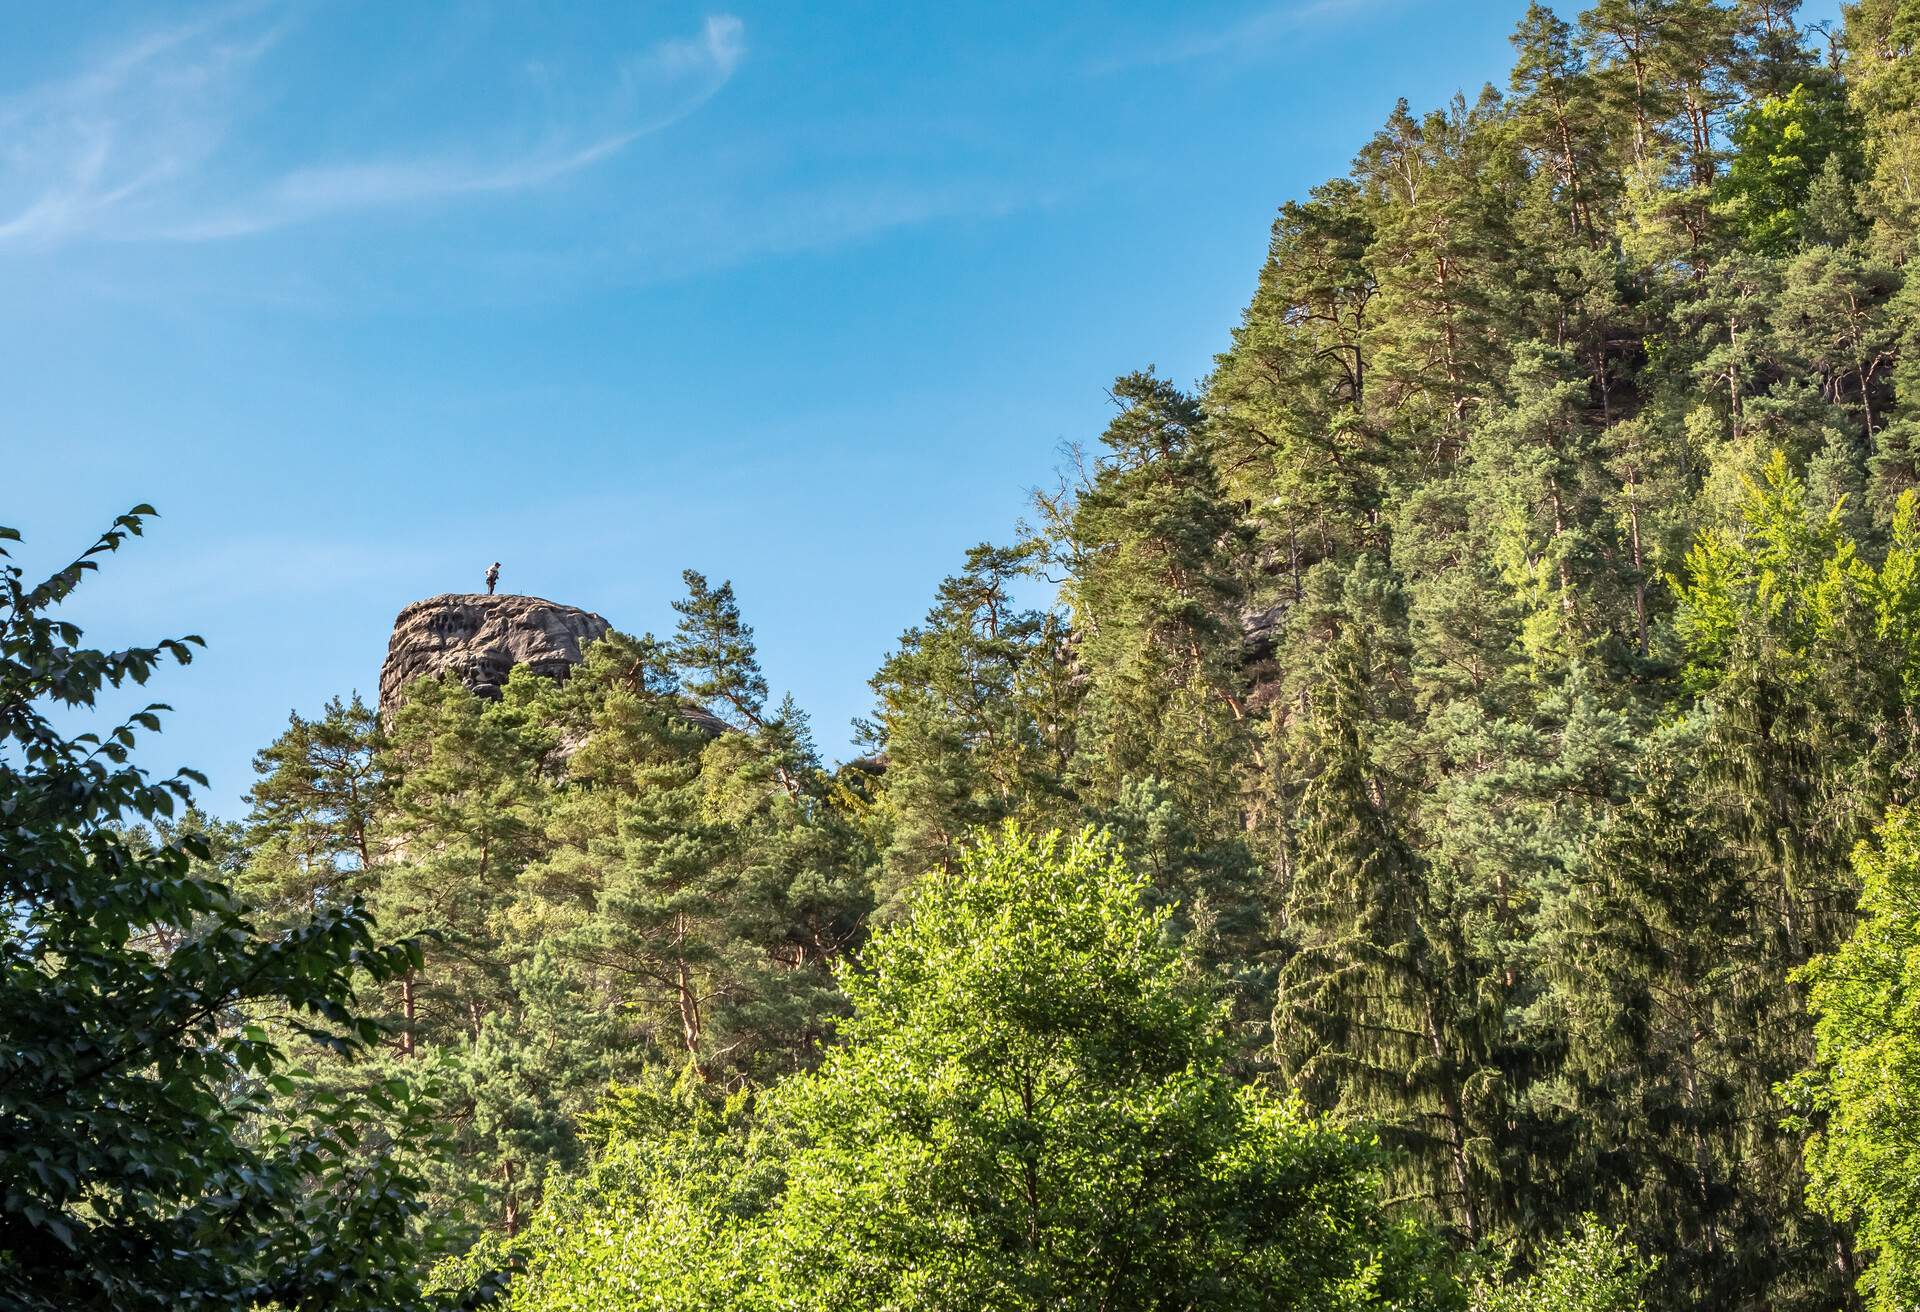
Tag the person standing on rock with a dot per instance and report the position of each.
(493, 576)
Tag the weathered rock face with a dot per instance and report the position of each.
(481, 638)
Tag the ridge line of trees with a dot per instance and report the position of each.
(1486, 705)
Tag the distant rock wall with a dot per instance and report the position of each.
(481, 638)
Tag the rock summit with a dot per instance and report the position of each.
(481, 638)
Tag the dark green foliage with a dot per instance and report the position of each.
(1673, 1039)
(134, 1003)
(604, 878)
(1485, 675)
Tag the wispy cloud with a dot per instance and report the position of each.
(718, 49)
(132, 147)
(318, 191)
(1253, 33)
(107, 140)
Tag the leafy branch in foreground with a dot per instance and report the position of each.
(135, 1004)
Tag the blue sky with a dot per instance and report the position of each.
(363, 296)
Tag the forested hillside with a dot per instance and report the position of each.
(1477, 729)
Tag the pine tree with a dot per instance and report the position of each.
(1438, 320)
(974, 716)
(1558, 121)
(468, 788)
(701, 882)
(1157, 563)
(1287, 404)
(1884, 89)
(315, 804)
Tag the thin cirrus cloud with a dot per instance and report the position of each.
(132, 147)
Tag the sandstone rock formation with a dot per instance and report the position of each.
(481, 638)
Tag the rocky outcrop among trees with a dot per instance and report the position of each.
(481, 638)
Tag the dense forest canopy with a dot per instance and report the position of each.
(1449, 840)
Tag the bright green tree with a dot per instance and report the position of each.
(1781, 147)
(1031, 1110)
(1593, 1269)
(1862, 1095)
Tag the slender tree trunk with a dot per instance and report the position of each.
(689, 1002)
(1456, 1128)
(1029, 1169)
(407, 1014)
